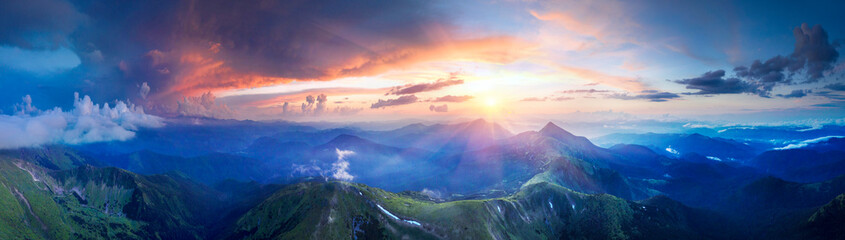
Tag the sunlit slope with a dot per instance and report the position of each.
(550, 155)
(338, 210)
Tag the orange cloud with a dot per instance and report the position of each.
(630, 84)
(194, 71)
(569, 22)
(499, 50)
(609, 23)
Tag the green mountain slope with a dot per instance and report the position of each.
(826, 222)
(97, 203)
(337, 210)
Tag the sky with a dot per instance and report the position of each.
(338, 60)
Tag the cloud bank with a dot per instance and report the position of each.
(86, 123)
(807, 142)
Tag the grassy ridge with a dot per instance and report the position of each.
(337, 210)
(94, 203)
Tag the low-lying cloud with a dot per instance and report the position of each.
(340, 168)
(807, 142)
(86, 123)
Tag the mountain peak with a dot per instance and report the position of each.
(553, 130)
(478, 122)
(347, 139)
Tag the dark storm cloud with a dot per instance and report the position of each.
(836, 86)
(829, 94)
(813, 55)
(38, 23)
(450, 98)
(798, 93)
(812, 47)
(715, 83)
(769, 72)
(305, 39)
(403, 100)
(188, 47)
(426, 87)
(813, 52)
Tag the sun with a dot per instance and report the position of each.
(490, 102)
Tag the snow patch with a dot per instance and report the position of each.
(397, 218)
(386, 212)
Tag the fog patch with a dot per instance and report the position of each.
(340, 168)
(807, 142)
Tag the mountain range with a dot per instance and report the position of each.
(472, 180)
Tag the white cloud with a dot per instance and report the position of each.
(341, 167)
(431, 193)
(316, 107)
(145, 90)
(203, 106)
(86, 123)
(26, 106)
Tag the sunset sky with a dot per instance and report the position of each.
(374, 60)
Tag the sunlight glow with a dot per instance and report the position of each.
(490, 102)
